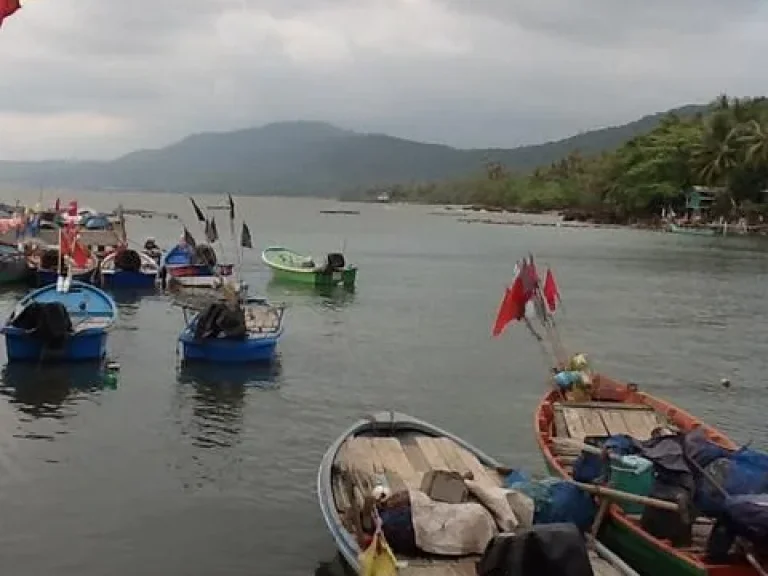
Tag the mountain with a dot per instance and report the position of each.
(304, 158)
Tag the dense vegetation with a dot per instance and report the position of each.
(303, 158)
(724, 147)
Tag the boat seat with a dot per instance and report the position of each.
(602, 419)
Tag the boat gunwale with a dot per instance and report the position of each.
(543, 425)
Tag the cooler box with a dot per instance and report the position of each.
(632, 474)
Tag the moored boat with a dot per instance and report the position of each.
(13, 264)
(46, 267)
(195, 267)
(694, 230)
(128, 268)
(233, 332)
(64, 325)
(389, 453)
(614, 408)
(292, 266)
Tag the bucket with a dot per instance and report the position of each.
(634, 475)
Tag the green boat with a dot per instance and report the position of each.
(694, 230)
(292, 266)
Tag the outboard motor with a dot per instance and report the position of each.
(334, 261)
(204, 254)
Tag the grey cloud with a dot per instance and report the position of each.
(521, 72)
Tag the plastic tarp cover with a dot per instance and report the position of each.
(546, 549)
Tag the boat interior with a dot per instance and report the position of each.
(403, 457)
(263, 319)
(581, 420)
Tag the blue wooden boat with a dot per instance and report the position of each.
(399, 450)
(233, 333)
(194, 267)
(70, 325)
(128, 269)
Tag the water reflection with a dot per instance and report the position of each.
(48, 391)
(257, 375)
(328, 296)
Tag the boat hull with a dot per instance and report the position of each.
(123, 279)
(225, 351)
(344, 277)
(642, 551)
(47, 277)
(80, 347)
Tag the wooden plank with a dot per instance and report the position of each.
(448, 449)
(614, 422)
(359, 456)
(591, 422)
(640, 428)
(575, 426)
(396, 463)
(432, 453)
(561, 427)
(603, 405)
(415, 455)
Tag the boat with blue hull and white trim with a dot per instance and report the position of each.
(233, 332)
(128, 269)
(66, 321)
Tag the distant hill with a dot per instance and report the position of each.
(303, 158)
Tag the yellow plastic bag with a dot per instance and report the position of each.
(378, 559)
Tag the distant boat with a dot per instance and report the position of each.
(292, 266)
(383, 197)
(48, 324)
(128, 269)
(13, 264)
(233, 333)
(694, 230)
(196, 267)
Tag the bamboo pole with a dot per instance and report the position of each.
(626, 496)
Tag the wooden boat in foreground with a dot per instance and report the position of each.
(71, 325)
(403, 449)
(292, 266)
(618, 408)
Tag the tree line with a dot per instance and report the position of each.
(724, 148)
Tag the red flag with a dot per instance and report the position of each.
(551, 293)
(72, 210)
(512, 306)
(80, 255)
(7, 8)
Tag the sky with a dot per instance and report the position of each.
(99, 78)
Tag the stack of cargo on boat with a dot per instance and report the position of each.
(701, 505)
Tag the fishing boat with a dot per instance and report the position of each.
(391, 452)
(292, 266)
(13, 264)
(47, 266)
(618, 408)
(233, 331)
(128, 269)
(195, 267)
(66, 324)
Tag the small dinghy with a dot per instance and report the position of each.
(292, 266)
(233, 332)
(128, 269)
(68, 325)
(394, 483)
(195, 267)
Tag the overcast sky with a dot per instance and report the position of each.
(97, 78)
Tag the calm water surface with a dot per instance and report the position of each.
(182, 471)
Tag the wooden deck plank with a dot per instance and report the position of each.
(614, 422)
(640, 427)
(359, 456)
(561, 427)
(415, 455)
(574, 424)
(591, 422)
(448, 449)
(431, 450)
(391, 454)
(485, 476)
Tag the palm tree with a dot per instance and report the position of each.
(754, 137)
